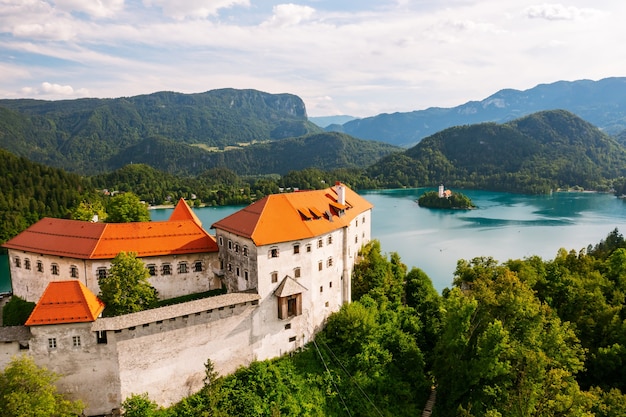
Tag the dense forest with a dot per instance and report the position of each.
(535, 154)
(526, 337)
(30, 191)
(324, 151)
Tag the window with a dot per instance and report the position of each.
(321, 288)
(230, 245)
(55, 269)
(245, 251)
(330, 284)
(296, 248)
(230, 267)
(290, 306)
(52, 343)
(27, 264)
(18, 263)
(237, 271)
(330, 239)
(245, 275)
(296, 273)
(221, 241)
(292, 339)
(76, 341)
(197, 266)
(363, 220)
(222, 264)
(274, 277)
(329, 262)
(356, 239)
(182, 268)
(320, 243)
(236, 248)
(308, 248)
(73, 271)
(166, 269)
(101, 337)
(320, 265)
(102, 272)
(287, 326)
(274, 253)
(39, 266)
(152, 269)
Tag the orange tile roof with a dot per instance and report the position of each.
(86, 240)
(65, 302)
(182, 211)
(293, 216)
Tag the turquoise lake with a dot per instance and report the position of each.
(504, 226)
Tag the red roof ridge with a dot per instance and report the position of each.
(182, 211)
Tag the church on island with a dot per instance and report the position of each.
(285, 263)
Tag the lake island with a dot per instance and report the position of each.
(445, 199)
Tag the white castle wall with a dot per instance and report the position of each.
(89, 372)
(30, 284)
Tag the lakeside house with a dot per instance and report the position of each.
(285, 261)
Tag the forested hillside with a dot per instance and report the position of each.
(325, 151)
(82, 135)
(602, 103)
(30, 191)
(533, 154)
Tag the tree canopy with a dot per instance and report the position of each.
(125, 288)
(126, 207)
(27, 390)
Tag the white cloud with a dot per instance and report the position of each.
(369, 58)
(289, 15)
(54, 30)
(196, 9)
(557, 11)
(57, 90)
(94, 8)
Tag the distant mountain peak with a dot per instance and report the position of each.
(602, 103)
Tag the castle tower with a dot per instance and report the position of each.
(441, 191)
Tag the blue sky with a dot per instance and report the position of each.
(356, 57)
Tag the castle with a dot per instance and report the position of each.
(285, 262)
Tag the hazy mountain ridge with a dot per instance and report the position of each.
(535, 153)
(602, 103)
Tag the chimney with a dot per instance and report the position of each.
(341, 193)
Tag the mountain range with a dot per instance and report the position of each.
(180, 133)
(602, 103)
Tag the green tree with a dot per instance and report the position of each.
(125, 289)
(27, 390)
(140, 406)
(504, 350)
(87, 210)
(125, 208)
(16, 311)
(377, 276)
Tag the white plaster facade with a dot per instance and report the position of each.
(31, 273)
(321, 265)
